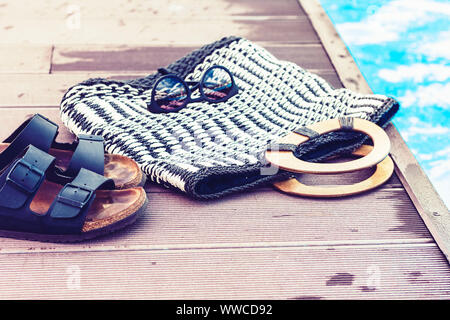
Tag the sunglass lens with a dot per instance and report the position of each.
(217, 84)
(170, 93)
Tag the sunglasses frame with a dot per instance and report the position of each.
(155, 108)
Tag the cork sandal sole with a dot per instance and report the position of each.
(110, 211)
(124, 171)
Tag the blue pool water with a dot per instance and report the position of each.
(403, 50)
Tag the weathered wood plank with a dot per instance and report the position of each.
(180, 31)
(32, 90)
(36, 90)
(362, 272)
(258, 217)
(116, 10)
(341, 58)
(257, 7)
(425, 198)
(143, 22)
(269, 216)
(138, 59)
(349, 178)
(432, 209)
(13, 118)
(25, 59)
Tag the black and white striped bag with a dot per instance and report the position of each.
(211, 149)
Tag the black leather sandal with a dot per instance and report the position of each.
(86, 152)
(35, 206)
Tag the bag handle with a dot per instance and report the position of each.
(382, 173)
(285, 159)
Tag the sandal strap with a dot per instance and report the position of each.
(88, 151)
(68, 211)
(22, 178)
(307, 132)
(89, 154)
(37, 131)
(304, 131)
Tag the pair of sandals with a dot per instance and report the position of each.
(63, 192)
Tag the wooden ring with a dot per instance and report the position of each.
(383, 172)
(287, 161)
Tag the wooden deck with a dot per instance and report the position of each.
(256, 245)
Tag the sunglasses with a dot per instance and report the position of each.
(171, 93)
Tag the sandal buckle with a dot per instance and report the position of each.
(18, 183)
(77, 190)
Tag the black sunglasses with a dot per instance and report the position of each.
(171, 93)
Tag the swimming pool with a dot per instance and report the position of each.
(402, 47)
